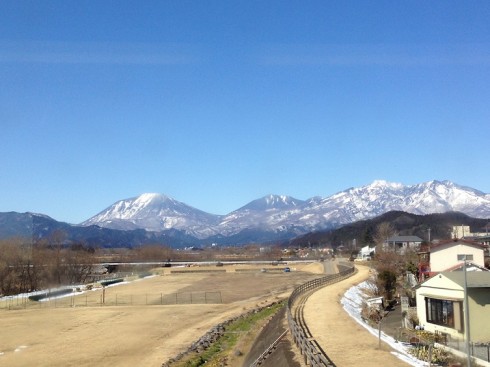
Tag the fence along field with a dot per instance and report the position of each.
(105, 293)
(121, 292)
(86, 299)
(136, 335)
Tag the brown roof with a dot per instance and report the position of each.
(436, 246)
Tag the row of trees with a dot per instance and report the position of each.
(26, 267)
(391, 266)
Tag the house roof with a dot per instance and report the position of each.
(404, 239)
(469, 267)
(475, 279)
(449, 243)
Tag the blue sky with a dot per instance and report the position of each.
(217, 103)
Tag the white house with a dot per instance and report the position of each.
(440, 304)
(366, 253)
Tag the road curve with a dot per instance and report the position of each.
(346, 342)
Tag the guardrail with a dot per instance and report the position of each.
(312, 352)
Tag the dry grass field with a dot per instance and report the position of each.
(90, 334)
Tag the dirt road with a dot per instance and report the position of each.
(343, 339)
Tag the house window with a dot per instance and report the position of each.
(463, 257)
(440, 312)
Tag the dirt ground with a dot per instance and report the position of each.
(345, 341)
(137, 335)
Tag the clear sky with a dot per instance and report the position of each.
(217, 103)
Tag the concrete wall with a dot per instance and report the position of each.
(479, 305)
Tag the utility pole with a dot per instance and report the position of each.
(466, 316)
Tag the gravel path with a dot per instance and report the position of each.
(345, 341)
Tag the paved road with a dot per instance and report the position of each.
(330, 266)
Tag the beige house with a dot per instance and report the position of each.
(440, 304)
(451, 253)
(448, 254)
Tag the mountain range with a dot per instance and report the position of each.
(276, 217)
(285, 217)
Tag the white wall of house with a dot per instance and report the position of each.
(446, 256)
(441, 288)
(440, 304)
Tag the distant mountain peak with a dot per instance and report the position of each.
(384, 183)
(151, 196)
(273, 202)
(155, 212)
(278, 214)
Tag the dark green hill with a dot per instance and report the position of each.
(36, 227)
(404, 224)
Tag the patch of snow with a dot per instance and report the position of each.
(352, 303)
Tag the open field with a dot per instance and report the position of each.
(137, 335)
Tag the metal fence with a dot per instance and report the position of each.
(88, 299)
(477, 350)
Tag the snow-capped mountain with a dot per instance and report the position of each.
(156, 212)
(270, 213)
(274, 213)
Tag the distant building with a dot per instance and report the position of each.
(401, 244)
(366, 253)
(464, 232)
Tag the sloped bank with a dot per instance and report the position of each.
(211, 345)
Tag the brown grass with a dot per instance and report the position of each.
(134, 335)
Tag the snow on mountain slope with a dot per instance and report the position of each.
(436, 196)
(271, 212)
(277, 213)
(156, 212)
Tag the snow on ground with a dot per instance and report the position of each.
(80, 289)
(352, 303)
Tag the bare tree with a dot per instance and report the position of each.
(383, 231)
(17, 272)
(152, 253)
(79, 262)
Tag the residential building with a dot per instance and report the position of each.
(440, 305)
(445, 255)
(402, 243)
(366, 253)
(465, 232)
